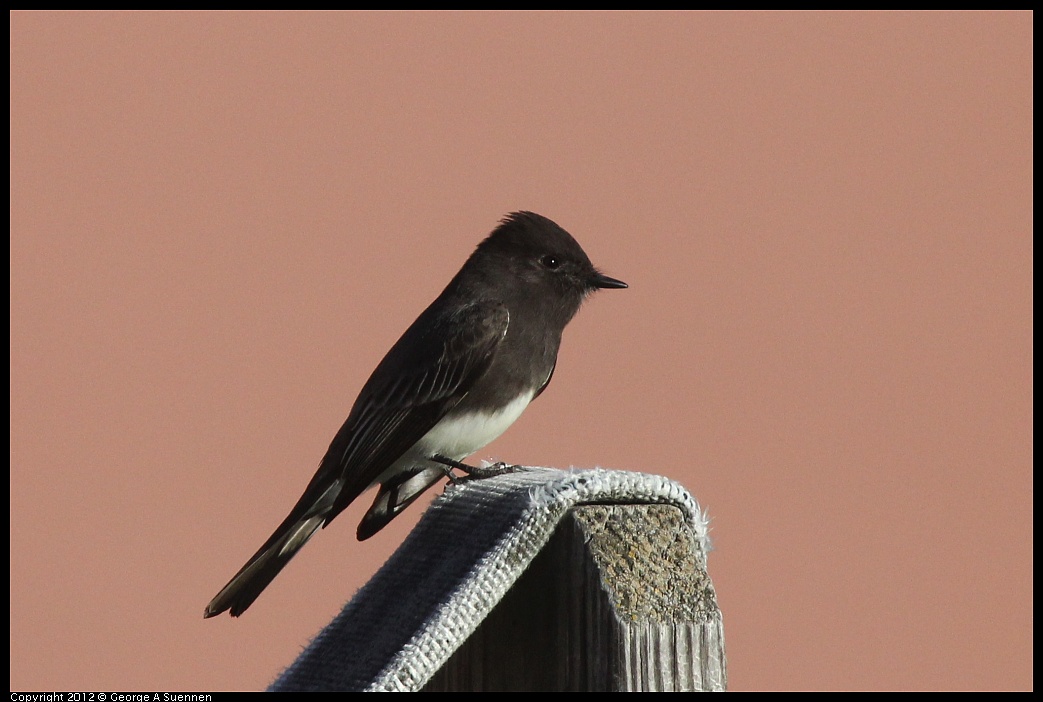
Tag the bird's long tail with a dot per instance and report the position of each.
(259, 571)
(321, 502)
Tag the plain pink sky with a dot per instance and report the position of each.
(220, 222)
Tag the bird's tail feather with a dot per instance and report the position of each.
(259, 571)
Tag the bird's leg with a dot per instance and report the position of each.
(472, 472)
(447, 466)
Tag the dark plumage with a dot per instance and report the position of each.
(455, 380)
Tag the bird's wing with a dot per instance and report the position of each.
(423, 376)
(429, 370)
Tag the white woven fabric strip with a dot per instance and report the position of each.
(463, 556)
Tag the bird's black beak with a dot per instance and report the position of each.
(603, 281)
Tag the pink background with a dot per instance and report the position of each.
(220, 222)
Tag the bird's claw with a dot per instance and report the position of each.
(472, 472)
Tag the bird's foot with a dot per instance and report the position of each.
(472, 472)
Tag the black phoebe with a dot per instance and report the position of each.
(460, 375)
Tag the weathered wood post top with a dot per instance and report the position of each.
(539, 579)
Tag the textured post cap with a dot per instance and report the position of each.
(465, 554)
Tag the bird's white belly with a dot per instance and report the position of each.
(460, 436)
(463, 435)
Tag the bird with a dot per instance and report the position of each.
(458, 377)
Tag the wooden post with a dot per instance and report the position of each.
(617, 601)
(537, 579)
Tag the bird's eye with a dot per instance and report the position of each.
(550, 262)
